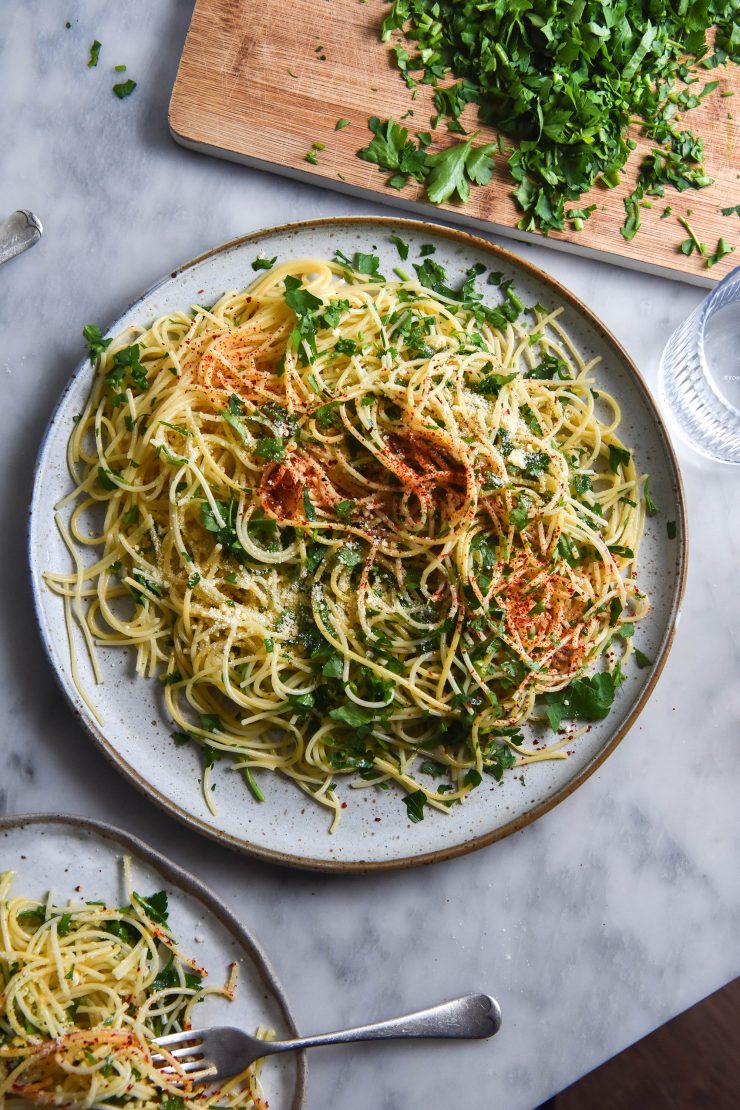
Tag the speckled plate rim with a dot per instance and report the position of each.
(183, 880)
(309, 863)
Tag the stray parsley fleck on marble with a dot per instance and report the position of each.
(124, 89)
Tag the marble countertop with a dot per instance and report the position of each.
(607, 917)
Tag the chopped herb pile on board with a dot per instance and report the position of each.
(564, 79)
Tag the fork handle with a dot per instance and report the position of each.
(19, 232)
(472, 1016)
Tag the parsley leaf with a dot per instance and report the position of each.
(351, 714)
(124, 89)
(308, 506)
(392, 149)
(585, 699)
(95, 342)
(155, 906)
(452, 170)
(350, 555)
(368, 264)
(500, 759)
(650, 507)
(166, 976)
(270, 448)
(519, 513)
(549, 367)
(401, 247)
(490, 385)
(618, 456)
(431, 767)
(264, 263)
(415, 802)
(64, 924)
(305, 305)
(721, 250)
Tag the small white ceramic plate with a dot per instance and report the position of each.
(374, 832)
(81, 859)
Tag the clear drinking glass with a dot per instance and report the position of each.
(700, 373)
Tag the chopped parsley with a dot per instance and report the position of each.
(401, 247)
(107, 478)
(549, 367)
(155, 906)
(350, 555)
(447, 174)
(270, 448)
(720, 251)
(415, 802)
(94, 54)
(585, 699)
(453, 170)
(650, 507)
(618, 456)
(264, 263)
(305, 306)
(308, 507)
(124, 88)
(96, 345)
(368, 264)
(499, 759)
(564, 82)
(490, 384)
(519, 513)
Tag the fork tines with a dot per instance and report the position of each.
(183, 1056)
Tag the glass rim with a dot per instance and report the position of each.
(707, 308)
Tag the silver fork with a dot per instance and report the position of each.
(220, 1052)
(19, 232)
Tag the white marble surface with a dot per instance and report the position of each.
(598, 923)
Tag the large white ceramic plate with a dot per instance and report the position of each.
(374, 831)
(76, 858)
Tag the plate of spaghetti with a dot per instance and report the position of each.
(369, 542)
(105, 946)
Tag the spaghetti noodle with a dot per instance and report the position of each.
(358, 527)
(85, 989)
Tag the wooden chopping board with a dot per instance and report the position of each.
(259, 83)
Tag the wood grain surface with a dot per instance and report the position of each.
(259, 83)
(692, 1063)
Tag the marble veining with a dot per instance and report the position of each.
(598, 923)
